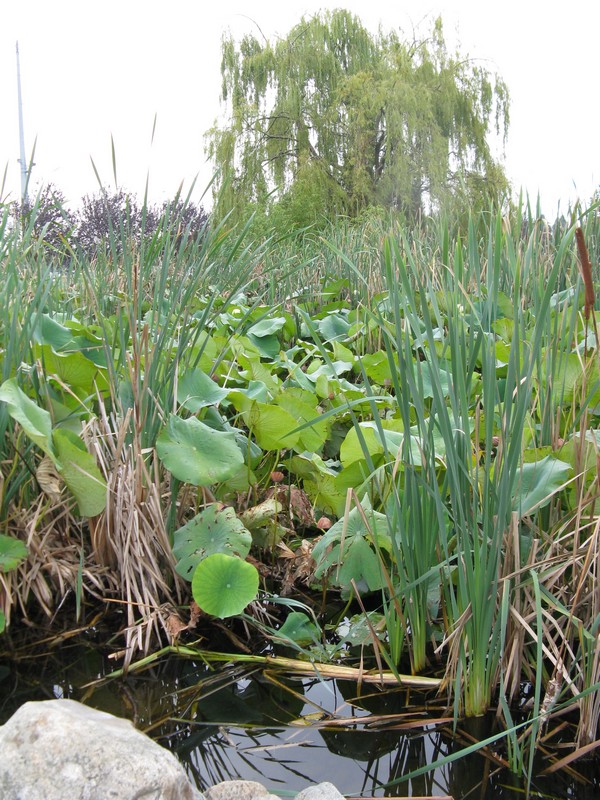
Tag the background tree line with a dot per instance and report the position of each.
(334, 120)
(327, 121)
(114, 217)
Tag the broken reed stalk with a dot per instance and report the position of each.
(292, 665)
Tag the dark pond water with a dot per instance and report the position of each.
(235, 722)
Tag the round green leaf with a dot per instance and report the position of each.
(267, 346)
(12, 552)
(49, 331)
(334, 326)
(224, 585)
(302, 405)
(538, 482)
(195, 453)
(73, 369)
(267, 326)
(211, 531)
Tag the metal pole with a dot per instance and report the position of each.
(22, 159)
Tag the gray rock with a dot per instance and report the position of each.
(59, 749)
(239, 790)
(322, 791)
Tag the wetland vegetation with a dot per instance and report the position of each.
(211, 428)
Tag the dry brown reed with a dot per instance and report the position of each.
(52, 570)
(130, 536)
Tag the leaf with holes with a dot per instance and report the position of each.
(213, 530)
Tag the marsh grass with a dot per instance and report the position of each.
(490, 338)
(517, 589)
(149, 307)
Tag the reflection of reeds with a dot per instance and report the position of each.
(586, 273)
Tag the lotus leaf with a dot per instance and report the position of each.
(72, 369)
(267, 327)
(213, 530)
(80, 472)
(299, 629)
(346, 551)
(196, 390)
(271, 426)
(538, 482)
(224, 585)
(303, 406)
(195, 453)
(34, 420)
(12, 552)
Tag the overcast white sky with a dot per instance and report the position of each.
(92, 70)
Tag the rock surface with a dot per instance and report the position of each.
(63, 750)
(251, 790)
(239, 790)
(321, 791)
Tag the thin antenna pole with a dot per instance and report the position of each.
(22, 159)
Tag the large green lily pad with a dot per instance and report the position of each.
(224, 585)
(197, 454)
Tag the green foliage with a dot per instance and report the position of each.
(299, 629)
(213, 530)
(12, 552)
(195, 453)
(68, 452)
(335, 120)
(195, 390)
(223, 585)
(450, 380)
(48, 219)
(349, 552)
(538, 482)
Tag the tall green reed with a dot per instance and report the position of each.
(26, 285)
(456, 473)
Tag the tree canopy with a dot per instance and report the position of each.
(333, 119)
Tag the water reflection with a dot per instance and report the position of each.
(237, 722)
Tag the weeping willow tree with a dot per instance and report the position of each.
(332, 119)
